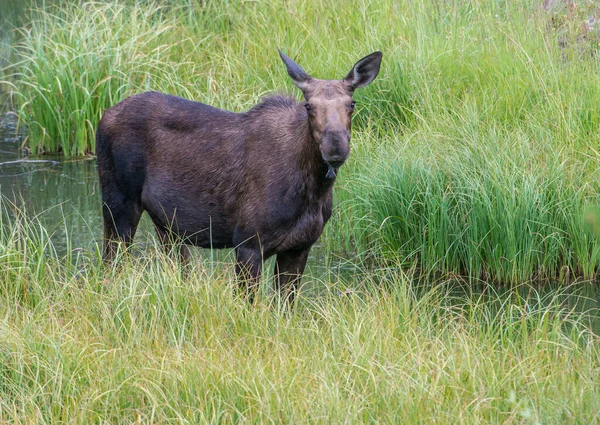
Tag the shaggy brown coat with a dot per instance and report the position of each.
(260, 181)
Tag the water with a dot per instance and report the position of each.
(64, 195)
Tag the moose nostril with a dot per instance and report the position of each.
(336, 161)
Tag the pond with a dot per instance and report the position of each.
(64, 195)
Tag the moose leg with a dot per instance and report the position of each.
(120, 223)
(248, 267)
(167, 239)
(288, 271)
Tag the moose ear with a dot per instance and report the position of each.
(299, 76)
(364, 71)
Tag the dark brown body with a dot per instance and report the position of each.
(258, 181)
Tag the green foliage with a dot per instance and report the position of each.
(480, 213)
(79, 59)
(142, 343)
(474, 152)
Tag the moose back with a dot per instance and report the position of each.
(260, 181)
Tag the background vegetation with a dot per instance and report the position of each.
(475, 154)
(475, 151)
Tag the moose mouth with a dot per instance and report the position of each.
(332, 167)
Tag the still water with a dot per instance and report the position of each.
(64, 195)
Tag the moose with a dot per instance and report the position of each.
(260, 181)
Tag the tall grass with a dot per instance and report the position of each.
(484, 210)
(79, 59)
(475, 150)
(510, 64)
(138, 343)
(78, 62)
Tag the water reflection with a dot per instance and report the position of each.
(64, 194)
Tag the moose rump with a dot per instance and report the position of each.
(260, 181)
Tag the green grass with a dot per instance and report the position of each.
(78, 60)
(139, 343)
(476, 212)
(474, 152)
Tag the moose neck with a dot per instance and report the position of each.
(311, 160)
(280, 126)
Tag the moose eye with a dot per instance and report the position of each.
(352, 105)
(307, 106)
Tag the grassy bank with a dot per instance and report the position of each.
(141, 344)
(474, 152)
(87, 57)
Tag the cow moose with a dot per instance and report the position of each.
(259, 181)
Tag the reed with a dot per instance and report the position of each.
(482, 213)
(141, 343)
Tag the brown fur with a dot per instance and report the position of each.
(259, 182)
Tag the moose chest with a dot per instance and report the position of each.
(295, 223)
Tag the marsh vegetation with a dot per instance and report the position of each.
(471, 189)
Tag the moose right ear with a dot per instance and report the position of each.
(295, 71)
(364, 71)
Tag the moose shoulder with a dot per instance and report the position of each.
(260, 181)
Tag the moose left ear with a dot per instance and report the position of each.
(298, 75)
(364, 71)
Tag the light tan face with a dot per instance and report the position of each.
(330, 106)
